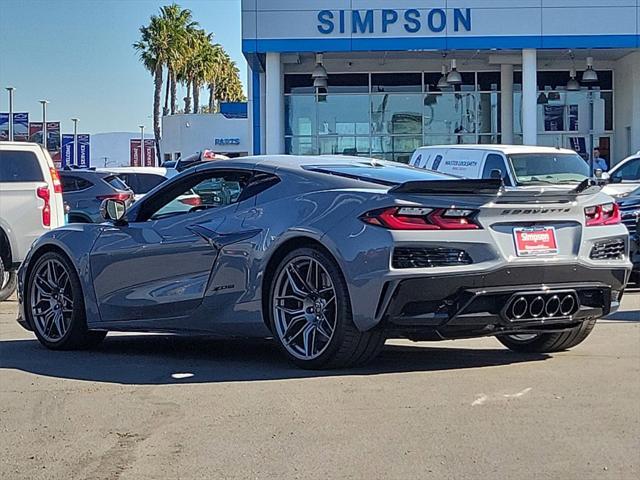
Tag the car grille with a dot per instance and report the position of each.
(630, 220)
(417, 257)
(608, 250)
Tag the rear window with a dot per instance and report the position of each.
(147, 182)
(381, 174)
(73, 184)
(19, 167)
(116, 183)
(540, 168)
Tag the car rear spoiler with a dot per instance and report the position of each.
(495, 187)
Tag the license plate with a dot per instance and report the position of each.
(535, 241)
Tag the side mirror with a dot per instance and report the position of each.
(113, 210)
(598, 173)
(496, 174)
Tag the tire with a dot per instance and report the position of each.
(67, 328)
(324, 336)
(8, 282)
(549, 342)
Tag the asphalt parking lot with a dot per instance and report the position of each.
(151, 407)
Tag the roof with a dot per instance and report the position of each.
(150, 170)
(505, 149)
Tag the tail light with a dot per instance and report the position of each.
(194, 201)
(605, 214)
(122, 196)
(44, 194)
(55, 178)
(421, 218)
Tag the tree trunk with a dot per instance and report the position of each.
(165, 110)
(187, 99)
(212, 98)
(157, 95)
(196, 96)
(174, 105)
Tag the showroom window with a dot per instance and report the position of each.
(389, 115)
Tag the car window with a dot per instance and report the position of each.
(19, 167)
(71, 183)
(542, 168)
(629, 172)
(379, 173)
(145, 182)
(495, 162)
(198, 191)
(116, 182)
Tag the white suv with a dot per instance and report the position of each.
(30, 204)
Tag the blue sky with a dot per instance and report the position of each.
(78, 55)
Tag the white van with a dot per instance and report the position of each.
(518, 164)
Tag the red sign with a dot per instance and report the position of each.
(136, 157)
(35, 132)
(535, 241)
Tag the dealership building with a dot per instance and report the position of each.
(383, 77)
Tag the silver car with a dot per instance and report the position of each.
(330, 256)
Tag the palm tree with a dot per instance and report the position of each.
(180, 25)
(153, 48)
(224, 85)
(198, 64)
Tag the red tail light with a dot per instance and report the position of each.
(44, 194)
(122, 196)
(605, 214)
(421, 218)
(55, 178)
(193, 201)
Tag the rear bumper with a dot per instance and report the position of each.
(470, 305)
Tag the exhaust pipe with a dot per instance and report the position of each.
(519, 308)
(552, 307)
(567, 305)
(536, 307)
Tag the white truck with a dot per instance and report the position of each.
(30, 205)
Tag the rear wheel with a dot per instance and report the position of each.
(8, 282)
(310, 314)
(55, 305)
(548, 342)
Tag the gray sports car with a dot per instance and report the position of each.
(330, 256)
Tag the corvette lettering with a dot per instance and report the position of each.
(533, 211)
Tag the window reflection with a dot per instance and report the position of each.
(396, 114)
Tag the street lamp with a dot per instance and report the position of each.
(76, 157)
(10, 90)
(44, 122)
(141, 145)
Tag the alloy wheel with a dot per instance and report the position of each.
(51, 300)
(304, 307)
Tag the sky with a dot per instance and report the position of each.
(78, 54)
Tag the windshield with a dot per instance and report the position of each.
(541, 168)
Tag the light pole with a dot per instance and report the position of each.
(76, 157)
(141, 145)
(10, 90)
(44, 122)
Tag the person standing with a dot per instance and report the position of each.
(599, 163)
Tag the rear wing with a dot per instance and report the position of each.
(495, 188)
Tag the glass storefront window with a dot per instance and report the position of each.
(300, 114)
(338, 145)
(449, 139)
(450, 113)
(396, 114)
(300, 146)
(396, 82)
(488, 113)
(343, 115)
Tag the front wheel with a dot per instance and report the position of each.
(548, 342)
(55, 305)
(310, 314)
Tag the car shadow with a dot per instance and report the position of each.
(164, 360)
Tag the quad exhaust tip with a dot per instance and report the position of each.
(542, 306)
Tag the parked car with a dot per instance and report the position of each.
(623, 177)
(189, 161)
(518, 165)
(84, 191)
(332, 255)
(142, 179)
(30, 205)
(630, 212)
